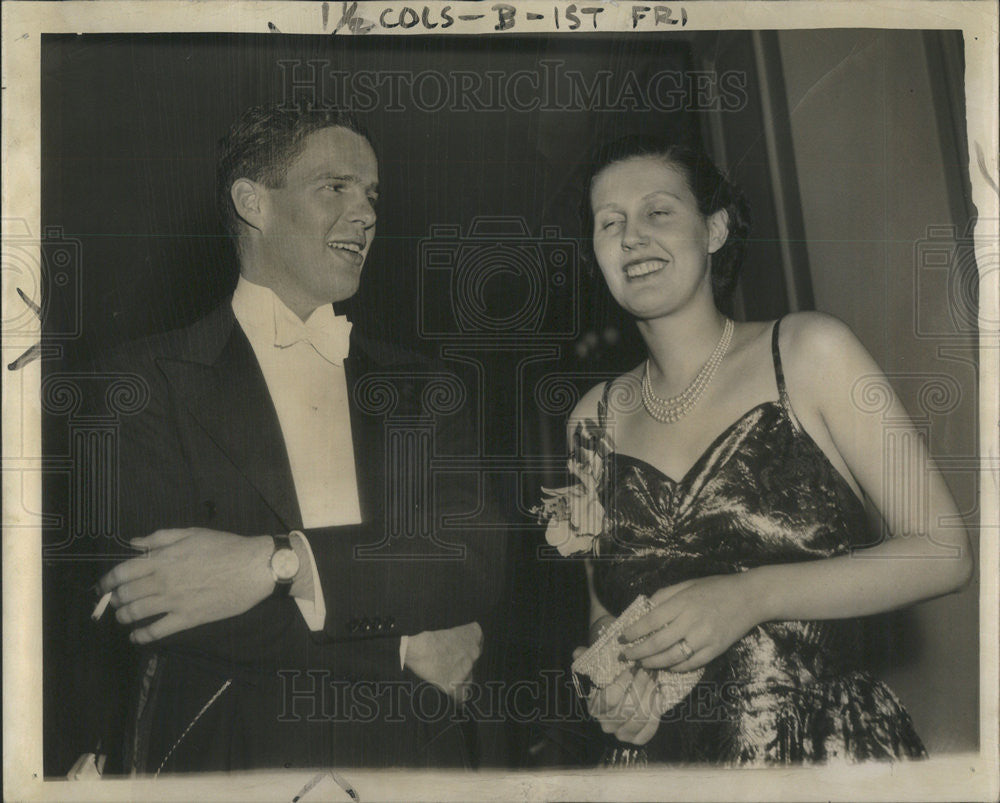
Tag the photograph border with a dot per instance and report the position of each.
(969, 776)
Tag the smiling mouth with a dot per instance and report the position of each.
(636, 269)
(345, 245)
(349, 250)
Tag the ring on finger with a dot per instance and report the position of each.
(685, 648)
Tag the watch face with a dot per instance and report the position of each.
(285, 564)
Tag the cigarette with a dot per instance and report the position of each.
(101, 606)
(343, 784)
(338, 779)
(305, 789)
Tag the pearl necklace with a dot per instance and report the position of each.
(669, 411)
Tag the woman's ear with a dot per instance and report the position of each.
(247, 199)
(718, 230)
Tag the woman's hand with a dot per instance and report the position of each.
(692, 622)
(629, 707)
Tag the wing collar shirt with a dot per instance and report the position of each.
(303, 366)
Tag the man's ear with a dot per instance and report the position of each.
(248, 199)
(718, 230)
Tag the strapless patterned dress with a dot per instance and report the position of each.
(787, 692)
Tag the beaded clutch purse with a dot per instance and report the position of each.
(600, 664)
(675, 686)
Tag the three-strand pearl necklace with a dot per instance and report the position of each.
(669, 411)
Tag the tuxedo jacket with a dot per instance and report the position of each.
(260, 689)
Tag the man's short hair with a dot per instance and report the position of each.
(263, 143)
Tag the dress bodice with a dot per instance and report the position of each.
(762, 493)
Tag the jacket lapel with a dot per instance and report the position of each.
(223, 389)
(367, 432)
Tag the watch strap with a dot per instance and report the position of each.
(281, 587)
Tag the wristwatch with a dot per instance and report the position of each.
(284, 564)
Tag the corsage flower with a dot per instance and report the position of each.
(574, 514)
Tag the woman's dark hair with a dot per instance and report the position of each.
(710, 187)
(263, 143)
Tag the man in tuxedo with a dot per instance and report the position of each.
(281, 617)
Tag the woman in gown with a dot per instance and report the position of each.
(733, 491)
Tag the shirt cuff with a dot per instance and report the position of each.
(313, 610)
(403, 642)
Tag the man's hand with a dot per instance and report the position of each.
(192, 577)
(446, 657)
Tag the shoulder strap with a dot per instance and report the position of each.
(779, 374)
(602, 407)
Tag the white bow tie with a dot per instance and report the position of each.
(329, 334)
